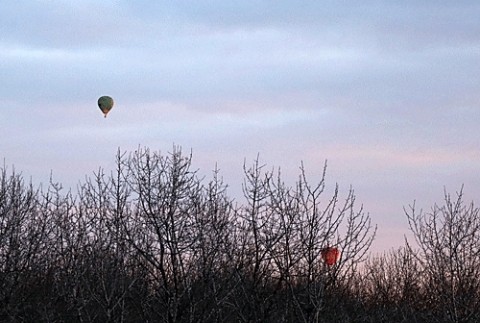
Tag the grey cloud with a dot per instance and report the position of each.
(67, 24)
(387, 91)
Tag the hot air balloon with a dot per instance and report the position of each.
(105, 103)
(330, 255)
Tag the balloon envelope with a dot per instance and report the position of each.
(105, 103)
(330, 255)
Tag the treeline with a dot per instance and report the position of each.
(154, 242)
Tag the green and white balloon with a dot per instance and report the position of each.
(105, 103)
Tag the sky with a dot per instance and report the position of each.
(387, 92)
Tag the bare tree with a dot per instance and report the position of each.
(285, 229)
(391, 286)
(163, 228)
(107, 280)
(22, 231)
(448, 240)
(308, 223)
(213, 274)
(151, 241)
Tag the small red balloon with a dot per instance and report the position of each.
(330, 255)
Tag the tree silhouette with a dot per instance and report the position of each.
(152, 241)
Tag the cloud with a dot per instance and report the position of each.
(387, 92)
(70, 24)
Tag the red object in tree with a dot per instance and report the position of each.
(330, 255)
